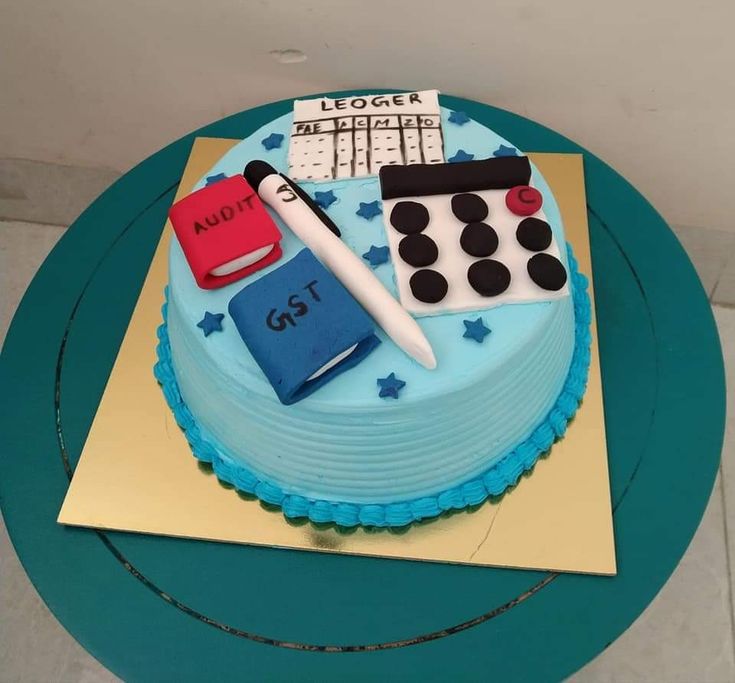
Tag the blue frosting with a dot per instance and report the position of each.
(459, 156)
(273, 141)
(212, 179)
(324, 199)
(377, 256)
(211, 322)
(368, 210)
(390, 386)
(475, 329)
(459, 118)
(493, 481)
(505, 151)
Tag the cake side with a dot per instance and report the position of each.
(492, 481)
(380, 452)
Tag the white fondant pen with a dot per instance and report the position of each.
(277, 191)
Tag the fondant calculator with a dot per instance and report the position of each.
(469, 235)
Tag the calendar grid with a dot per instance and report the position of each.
(360, 144)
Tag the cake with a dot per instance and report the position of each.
(375, 438)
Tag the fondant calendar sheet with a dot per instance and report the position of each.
(351, 137)
(145, 479)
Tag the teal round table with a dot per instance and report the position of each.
(153, 608)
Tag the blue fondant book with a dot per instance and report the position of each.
(302, 326)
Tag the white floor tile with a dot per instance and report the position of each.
(724, 293)
(726, 324)
(33, 645)
(23, 247)
(685, 635)
(49, 193)
(709, 251)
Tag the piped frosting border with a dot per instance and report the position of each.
(503, 474)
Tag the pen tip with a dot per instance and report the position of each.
(430, 363)
(425, 355)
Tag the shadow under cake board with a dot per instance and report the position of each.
(144, 479)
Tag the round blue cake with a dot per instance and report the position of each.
(507, 381)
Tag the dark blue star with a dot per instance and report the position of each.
(324, 199)
(212, 179)
(390, 386)
(505, 151)
(475, 329)
(211, 322)
(273, 141)
(369, 210)
(461, 155)
(376, 255)
(459, 117)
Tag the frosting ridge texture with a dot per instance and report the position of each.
(469, 481)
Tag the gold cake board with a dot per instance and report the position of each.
(136, 472)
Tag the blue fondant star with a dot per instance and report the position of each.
(273, 141)
(369, 210)
(376, 255)
(390, 386)
(475, 329)
(505, 151)
(324, 199)
(211, 322)
(212, 179)
(459, 117)
(461, 155)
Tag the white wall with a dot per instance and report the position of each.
(646, 84)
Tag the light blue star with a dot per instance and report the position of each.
(324, 199)
(459, 117)
(376, 255)
(369, 210)
(475, 329)
(505, 151)
(273, 141)
(212, 179)
(461, 155)
(390, 386)
(211, 322)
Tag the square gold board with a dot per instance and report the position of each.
(145, 479)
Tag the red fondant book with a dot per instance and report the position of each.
(225, 232)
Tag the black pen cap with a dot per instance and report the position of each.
(257, 171)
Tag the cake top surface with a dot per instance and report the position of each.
(355, 205)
